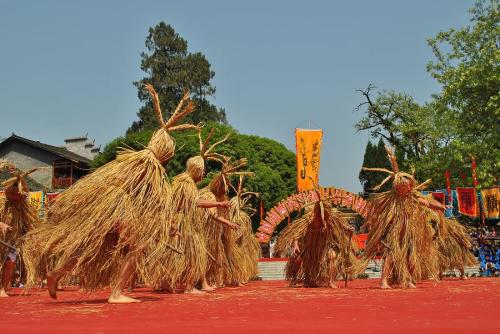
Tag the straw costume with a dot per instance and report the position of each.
(399, 230)
(187, 211)
(243, 260)
(322, 244)
(218, 244)
(19, 217)
(99, 228)
(454, 247)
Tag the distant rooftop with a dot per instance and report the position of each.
(61, 151)
(79, 138)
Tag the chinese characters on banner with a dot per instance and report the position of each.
(467, 202)
(308, 147)
(491, 202)
(36, 199)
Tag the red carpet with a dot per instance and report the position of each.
(451, 306)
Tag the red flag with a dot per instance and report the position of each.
(439, 196)
(467, 202)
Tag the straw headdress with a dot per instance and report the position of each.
(18, 178)
(161, 143)
(403, 182)
(196, 165)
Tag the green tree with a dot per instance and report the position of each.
(467, 66)
(375, 156)
(171, 69)
(398, 119)
(461, 120)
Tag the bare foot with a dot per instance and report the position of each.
(207, 288)
(122, 299)
(194, 291)
(3, 293)
(464, 277)
(52, 283)
(240, 284)
(332, 285)
(384, 285)
(411, 285)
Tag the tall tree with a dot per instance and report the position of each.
(375, 156)
(397, 118)
(462, 119)
(467, 66)
(171, 69)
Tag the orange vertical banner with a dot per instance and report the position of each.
(491, 202)
(308, 147)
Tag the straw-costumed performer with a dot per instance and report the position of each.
(399, 230)
(17, 217)
(454, 246)
(188, 210)
(99, 228)
(322, 246)
(218, 270)
(247, 252)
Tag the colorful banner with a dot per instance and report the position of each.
(467, 202)
(296, 202)
(440, 197)
(36, 199)
(491, 202)
(308, 146)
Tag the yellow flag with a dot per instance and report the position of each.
(308, 146)
(491, 202)
(36, 199)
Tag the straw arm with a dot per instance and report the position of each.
(226, 137)
(423, 185)
(209, 204)
(204, 144)
(431, 204)
(383, 170)
(226, 222)
(377, 188)
(156, 103)
(184, 127)
(180, 111)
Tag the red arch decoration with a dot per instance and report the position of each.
(295, 202)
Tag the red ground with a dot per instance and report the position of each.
(451, 306)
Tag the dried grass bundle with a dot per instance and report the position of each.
(217, 266)
(219, 243)
(398, 227)
(121, 209)
(243, 260)
(15, 209)
(320, 231)
(190, 266)
(455, 247)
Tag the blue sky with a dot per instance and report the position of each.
(66, 68)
